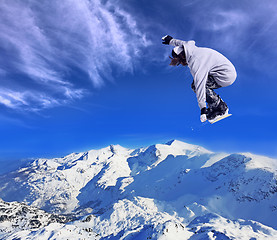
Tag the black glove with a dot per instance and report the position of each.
(166, 39)
(204, 112)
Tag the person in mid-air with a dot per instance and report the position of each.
(210, 70)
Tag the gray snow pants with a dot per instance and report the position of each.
(212, 98)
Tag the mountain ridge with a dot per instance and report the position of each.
(180, 181)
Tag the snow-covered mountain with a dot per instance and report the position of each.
(165, 191)
(13, 216)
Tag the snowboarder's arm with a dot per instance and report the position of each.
(168, 40)
(200, 79)
(176, 42)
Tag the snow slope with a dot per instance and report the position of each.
(165, 191)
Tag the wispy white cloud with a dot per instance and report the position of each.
(223, 27)
(226, 19)
(238, 26)
(45, 42)
(22, 99)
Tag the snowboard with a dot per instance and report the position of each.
(219, 118)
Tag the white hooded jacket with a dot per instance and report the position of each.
(204, 62)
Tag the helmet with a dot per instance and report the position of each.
(176, 51)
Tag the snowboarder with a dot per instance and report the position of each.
(210, 70)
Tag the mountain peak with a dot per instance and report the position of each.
(186, 146)
(170, 142)
(117, 148)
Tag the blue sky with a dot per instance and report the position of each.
(83, 74)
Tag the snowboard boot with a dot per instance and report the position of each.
(219, 110)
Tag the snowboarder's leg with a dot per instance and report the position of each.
(212, 98)
(216, 106)
(215, 103)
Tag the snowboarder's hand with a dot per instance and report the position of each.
(166, 39)
(203, 118)
(204, 112)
